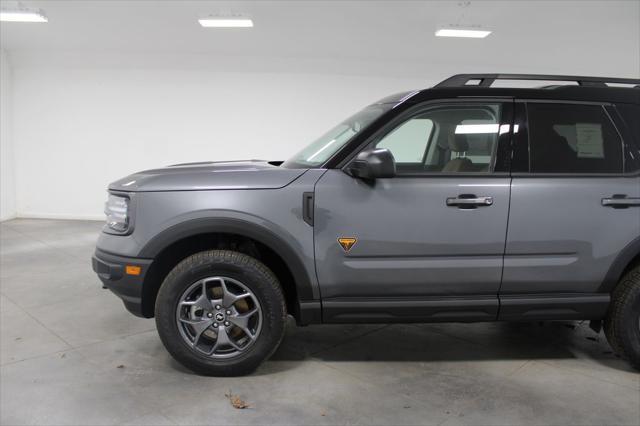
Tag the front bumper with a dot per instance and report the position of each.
(111, 270)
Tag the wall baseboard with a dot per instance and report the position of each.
(8, 217)
(58, 216)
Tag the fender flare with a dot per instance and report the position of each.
(618, 266)
(263, 235)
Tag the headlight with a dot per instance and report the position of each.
(117, 210)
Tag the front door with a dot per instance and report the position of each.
(427, 244)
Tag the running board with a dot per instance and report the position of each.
(386, 310)
(589, 306)
(522, 307)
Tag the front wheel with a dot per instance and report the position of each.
(622, 324)
(220, 313)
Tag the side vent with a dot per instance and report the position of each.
(307, 207)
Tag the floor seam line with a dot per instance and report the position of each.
(347, 341)
(585, 375)
(524, 364)
(376, 385)
(38, 321)
(73, 348)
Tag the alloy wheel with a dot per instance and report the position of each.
(219, 317)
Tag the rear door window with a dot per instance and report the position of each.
(572, 138)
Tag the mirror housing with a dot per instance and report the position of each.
(373, 164)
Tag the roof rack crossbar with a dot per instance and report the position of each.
(486, 80)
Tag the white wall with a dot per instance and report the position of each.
(79, 129)
(90, 105)
(7, 180)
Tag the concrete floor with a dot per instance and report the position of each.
(71, 354)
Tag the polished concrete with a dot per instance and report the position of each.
(71, 354)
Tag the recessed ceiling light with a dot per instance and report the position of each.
(22, 15)
(219, 22)
(452, 32)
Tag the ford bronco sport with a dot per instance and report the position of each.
(463, 202)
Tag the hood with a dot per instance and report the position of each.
(253, 174)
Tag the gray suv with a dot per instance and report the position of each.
(464, 202)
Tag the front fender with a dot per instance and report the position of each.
(285, 248)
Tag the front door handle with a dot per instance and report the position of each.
(469, 201)
(620, 201)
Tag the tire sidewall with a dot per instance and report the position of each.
(630, 329)
(226, 264)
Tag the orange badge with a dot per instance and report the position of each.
(347, 242)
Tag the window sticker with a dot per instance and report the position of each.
(589, 139)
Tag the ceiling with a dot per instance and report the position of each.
(354, 37)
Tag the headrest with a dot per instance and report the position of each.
(458, 142)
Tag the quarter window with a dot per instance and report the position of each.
(631, 116)
(570, 138)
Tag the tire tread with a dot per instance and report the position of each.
(624, 294)
(247, 264)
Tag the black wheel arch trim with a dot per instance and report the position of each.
(194, 227)
(619, 265)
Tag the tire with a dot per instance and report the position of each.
(240, 275)
(622, 324)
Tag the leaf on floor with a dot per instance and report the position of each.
(236, 401)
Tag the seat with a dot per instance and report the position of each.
(458, 144)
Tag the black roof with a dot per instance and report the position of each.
(564, 93)
(487, 80)
(588, 89)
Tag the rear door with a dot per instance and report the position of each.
(428, 243)
(575, 206)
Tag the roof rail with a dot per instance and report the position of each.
(486, 80)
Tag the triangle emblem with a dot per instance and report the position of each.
(347, 243)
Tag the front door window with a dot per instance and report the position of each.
(448, 139)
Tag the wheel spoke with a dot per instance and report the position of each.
(242, 321)
(222, 340)
(229, 298)
(202, 302)
(199, 327)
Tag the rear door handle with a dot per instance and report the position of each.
(620, 202)
(469, 201)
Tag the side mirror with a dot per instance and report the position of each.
(373, 164)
